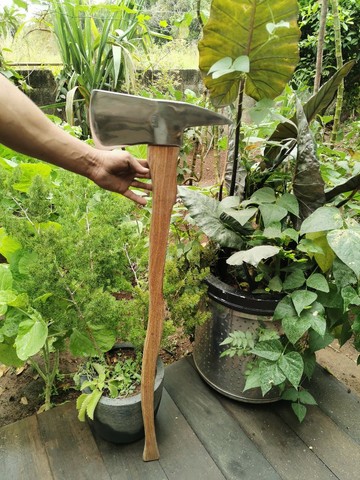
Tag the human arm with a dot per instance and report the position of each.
(25, 128)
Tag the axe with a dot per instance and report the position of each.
(118, 119)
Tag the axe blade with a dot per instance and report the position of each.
(118, 119)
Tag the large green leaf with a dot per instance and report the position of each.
(31, 337)
(317, 281)
(27, 173)
(103, 337)
(346, 245)
(302, 299)
(295, 327)
(238, 218)
(323, 219)
(308, 184)
(81, 345)
(289, 201)
(270, 375)
(204, 211)
(316, 105)
(269, 349)
(266, 32)
(272, 214)
(262, 195)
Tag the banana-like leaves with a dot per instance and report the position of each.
(316, 105)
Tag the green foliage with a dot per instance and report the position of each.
(309, 23)
(11, 19)
(98, 46)
(75, 266)
(178, 18)
(113, 377)
(284, 232)
(273, 28)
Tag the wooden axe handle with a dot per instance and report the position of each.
(163, 166)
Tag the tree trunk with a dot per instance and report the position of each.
(198, 14)
(339, 64)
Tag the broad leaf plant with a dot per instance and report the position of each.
(285, 232)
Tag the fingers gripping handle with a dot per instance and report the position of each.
(163, 166)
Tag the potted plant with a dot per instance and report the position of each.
(111, 398)
(287, 272)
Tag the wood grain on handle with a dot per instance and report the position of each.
(163, 166)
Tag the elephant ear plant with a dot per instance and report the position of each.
(285, 231)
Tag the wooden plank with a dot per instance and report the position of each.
(233, 452)
(286, 452)
(331, 444)
(182, 455)
(70, 446)
(124, 462)
(334, 398)
(22, 456)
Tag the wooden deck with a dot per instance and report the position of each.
(201, 436)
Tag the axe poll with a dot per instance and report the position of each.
(116, 120)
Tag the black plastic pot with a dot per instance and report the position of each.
(119, 420)
(231, 310)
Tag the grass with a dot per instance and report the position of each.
(34, 46)
(174, 55)
(39, 46)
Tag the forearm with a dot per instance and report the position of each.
(26, 129)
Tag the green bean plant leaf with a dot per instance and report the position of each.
(258, 39)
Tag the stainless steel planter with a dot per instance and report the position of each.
(231, 310)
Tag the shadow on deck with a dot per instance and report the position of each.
(201, 435)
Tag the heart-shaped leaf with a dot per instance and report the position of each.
(302, 299)
(317, 281)
(292, 366)
(265, 32)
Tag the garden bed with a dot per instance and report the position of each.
(21, 389)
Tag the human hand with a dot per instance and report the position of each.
(117, 171)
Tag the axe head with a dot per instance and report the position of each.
(118, 119)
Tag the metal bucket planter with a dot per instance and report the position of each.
(119, 420)
(231, 310)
